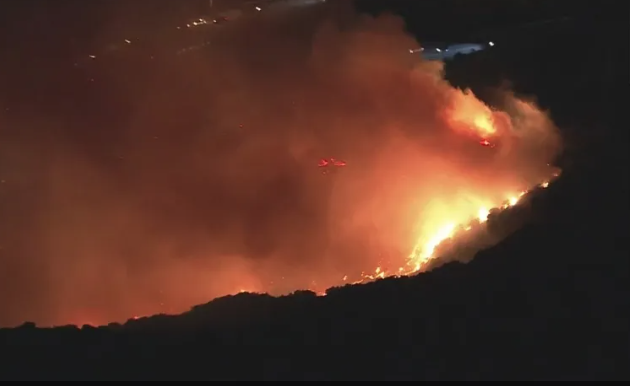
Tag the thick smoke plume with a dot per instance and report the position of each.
(170, 184)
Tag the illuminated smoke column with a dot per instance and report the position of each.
(212, 184)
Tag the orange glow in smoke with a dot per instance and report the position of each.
(412, 165)
(443, 218)
(470, 114)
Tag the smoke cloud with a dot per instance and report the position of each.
(145, 189)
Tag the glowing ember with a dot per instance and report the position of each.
(486, 143)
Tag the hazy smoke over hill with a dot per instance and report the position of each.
(152, 188)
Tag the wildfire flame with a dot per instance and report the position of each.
(425, 249)
(469, 116)
(444, 220)
(419, 168)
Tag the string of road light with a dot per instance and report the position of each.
(223, 17)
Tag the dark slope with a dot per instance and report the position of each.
(550, 302)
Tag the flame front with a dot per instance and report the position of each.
(425, 249)
(446, 217)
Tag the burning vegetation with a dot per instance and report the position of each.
(212, 183)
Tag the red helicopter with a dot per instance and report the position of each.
(327, 164)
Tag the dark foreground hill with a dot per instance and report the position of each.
(550, 302)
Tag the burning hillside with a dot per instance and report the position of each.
(213, 181)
